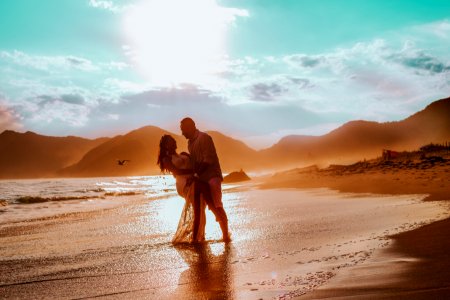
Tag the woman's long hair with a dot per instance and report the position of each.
(163, 151)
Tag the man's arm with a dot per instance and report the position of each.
(208, 152)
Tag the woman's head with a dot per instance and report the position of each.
(167, 147)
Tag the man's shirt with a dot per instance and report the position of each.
(202, 150)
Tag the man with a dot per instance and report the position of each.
(206, 166)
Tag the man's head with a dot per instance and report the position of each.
(188, 129)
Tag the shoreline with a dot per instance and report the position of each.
(416, 265)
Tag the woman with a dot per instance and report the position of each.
(191, 227)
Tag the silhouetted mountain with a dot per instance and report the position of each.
(139, 146)
(359, 139)
(429, 125)
(30, 155)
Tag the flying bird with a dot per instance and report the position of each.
(122, 162)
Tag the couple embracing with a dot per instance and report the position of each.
(198, 180)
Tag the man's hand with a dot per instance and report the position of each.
(202, 167)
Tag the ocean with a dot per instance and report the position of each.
(33, 198)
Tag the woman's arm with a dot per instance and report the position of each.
(167, 162)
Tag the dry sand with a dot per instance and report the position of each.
(395, 177)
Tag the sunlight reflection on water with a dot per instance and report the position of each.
(164, 214)
(149, 185)
(158, 218)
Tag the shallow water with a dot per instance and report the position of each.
(36, 198)
(10, 190)
(285, 243)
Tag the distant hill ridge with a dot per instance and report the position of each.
(359, 139)
(30, 155)
(139, 146)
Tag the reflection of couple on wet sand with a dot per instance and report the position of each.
(198, 180)
(209, 275)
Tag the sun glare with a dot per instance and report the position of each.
(178, 41)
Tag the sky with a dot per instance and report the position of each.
(256, 70)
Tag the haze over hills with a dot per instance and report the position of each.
(28, 155)
(234, 154)
(356, 140)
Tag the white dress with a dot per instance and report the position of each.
(186, 224)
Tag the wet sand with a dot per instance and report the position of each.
(286, 243)
(416, 266)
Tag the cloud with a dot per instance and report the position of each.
(48, 63)
(54, 115)
(266, 92)
(301, 83)
(106, 5)
(69, 99)
(163, 107)
(440, 29)
(27, 87)
(421, 61)
(166, 107)
(73, 99)
(9, 119)
(186, 95)
(116, 65)
(302, 60)
(57, 111)
(382, 79)
(80, 63)
(118, 87)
